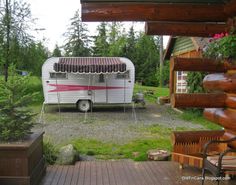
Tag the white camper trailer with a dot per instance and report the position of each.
(85, 81)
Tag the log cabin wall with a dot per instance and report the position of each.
(220, 100)
(225, 115)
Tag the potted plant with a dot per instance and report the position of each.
(21, 152)
(223, 45)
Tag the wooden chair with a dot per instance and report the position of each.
(220, 164)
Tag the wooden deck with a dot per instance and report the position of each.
(124, 173)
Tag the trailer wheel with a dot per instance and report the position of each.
(84, 105)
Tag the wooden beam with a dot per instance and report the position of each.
(185, 29)
(231, 101)
(223, 117)
(230, 8)
(199, 100)
(229, 134)
(200, 64)
(153, 12)
(220, 82)
(152, 1)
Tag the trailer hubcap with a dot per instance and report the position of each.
(84, 105)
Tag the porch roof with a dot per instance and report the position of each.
(163, 17)
(160, 1)
(90, 65)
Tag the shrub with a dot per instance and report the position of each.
(50, 152)
(194, 80)
(15, 117)
(222, 46)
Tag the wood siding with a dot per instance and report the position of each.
(183, 48)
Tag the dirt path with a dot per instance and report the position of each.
(108, 124)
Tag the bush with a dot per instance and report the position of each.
(16, 120)
(50, 152)
(222, 46)
(194, 80)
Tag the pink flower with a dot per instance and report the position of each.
(220, 35)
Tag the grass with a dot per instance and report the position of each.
(155, 136)
(136, 150)
(35, 86)
(147, 90)
(197, 117)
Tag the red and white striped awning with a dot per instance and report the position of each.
(90, 65)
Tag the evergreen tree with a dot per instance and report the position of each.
(15, 119)
(101, 46)
(36, 54)
(56, 52)
(130, 44)
(15, 22)
(77, 39)
(146, 60)
(116, 40)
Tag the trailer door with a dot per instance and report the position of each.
(120, 88)
(100, 89)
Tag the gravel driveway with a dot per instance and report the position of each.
(108, 124)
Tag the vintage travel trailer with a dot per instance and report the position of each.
(85, 81)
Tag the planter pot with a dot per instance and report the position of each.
(22, 163)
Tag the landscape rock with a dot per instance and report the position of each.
(67, 155)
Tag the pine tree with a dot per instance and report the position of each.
(116, 40)
(101, 46)
(130, 44)
(56, 52)
(146, 60)
(15, 119)
(77, 38)
(15, 23)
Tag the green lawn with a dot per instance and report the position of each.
(197, 117)
(147, 90)
(158, 137)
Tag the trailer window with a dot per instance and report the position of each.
(58, 75)
(124, 75)
(101, 78)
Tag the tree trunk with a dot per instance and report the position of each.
(8, 22)
(161, 61)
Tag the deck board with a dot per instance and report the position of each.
(123, 173)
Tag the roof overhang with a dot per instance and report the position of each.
(90, 65)
(206, 16)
